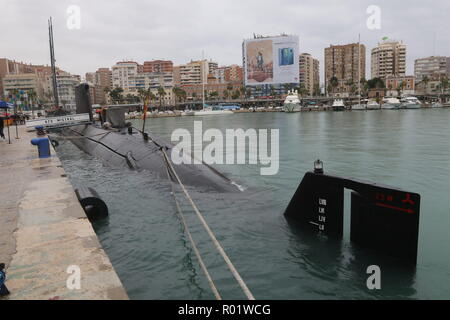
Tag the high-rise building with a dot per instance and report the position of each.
(121, 73)
(309, 73)
(228, 74)
(103, 82)
(90, 77)
(347, 64)
(432, 67)
(66, 88)
(177, 76)
(12, 67)
(389, 59)
(219, 74)
(158, 66)
(196, 72)
(22, 82)
(234, 73)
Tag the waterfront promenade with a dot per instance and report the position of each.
(44, 230)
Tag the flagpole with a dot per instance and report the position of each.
(359, 69)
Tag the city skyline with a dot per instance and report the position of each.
(113, 32)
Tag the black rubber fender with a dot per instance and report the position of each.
(55, 143)
(94, 207)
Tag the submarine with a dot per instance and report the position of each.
(118, 144)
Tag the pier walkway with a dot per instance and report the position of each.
(44, 231)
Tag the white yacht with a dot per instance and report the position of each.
(188, 113)
(373, 105)
(391, 104)
(292, 102)
(338, 105)
(411, 103)
(360, 106)
(212, 111)
(437, 105)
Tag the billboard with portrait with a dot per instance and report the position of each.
(271, 60)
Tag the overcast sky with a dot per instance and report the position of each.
(114, 30)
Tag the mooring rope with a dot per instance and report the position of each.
(60, 137)
(222, 252)
(191, 239)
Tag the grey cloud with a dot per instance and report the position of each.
(181, 30)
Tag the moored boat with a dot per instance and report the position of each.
(292, 102)
(391, 104)
(338, 105)
(410, 103)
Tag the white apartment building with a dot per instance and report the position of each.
(23, 82)
(153, 81)
(196, 72)
(122, 72)
(389, 59)
(66, 84)
(431, 67)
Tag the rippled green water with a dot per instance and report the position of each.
(144, 239)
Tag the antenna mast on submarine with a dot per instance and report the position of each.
(52, 58)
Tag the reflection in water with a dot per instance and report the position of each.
(331, 260)
(147, 246)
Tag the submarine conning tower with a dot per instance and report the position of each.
(383, 218)
(83, 100)
(114, 115)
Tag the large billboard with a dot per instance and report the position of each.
(271, 60)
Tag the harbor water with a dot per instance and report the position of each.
(144, 238)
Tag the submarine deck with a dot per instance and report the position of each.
(44, 230)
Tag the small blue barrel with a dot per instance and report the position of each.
(43, 145)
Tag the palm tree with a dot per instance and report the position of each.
(349, 83)
(214, 94)
(243, 91)
(144, 96)
(176, 93)
(425, 81)
(226, 94)
(334, 83)
(32, 98)
(317, 91)
(116, 95)
(161, 94)
(444, 84)
(400, 88)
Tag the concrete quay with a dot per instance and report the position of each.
(44, 231)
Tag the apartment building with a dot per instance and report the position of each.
(309, 73)
(122, 72)
(196, 72)
(432, 67)
(66, 88)
(22, 83)
(12, 67)
(389, 59)
(346, 63)
(158, 66)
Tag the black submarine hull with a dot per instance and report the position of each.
(129, 149)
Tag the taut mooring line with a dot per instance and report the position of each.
(222, 252)
(194, 246)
